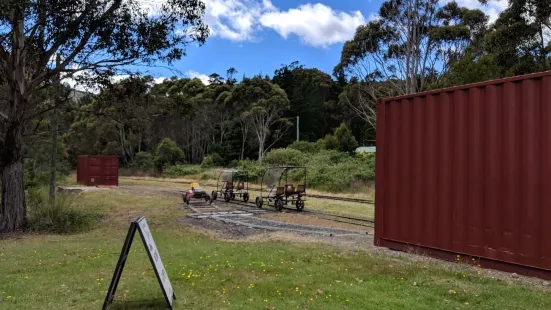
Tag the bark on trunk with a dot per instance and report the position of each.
(13, 209)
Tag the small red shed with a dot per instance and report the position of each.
(93, 170)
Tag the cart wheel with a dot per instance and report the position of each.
(246, 197)
(186, 200)
(208, 199)
(258, 202)
(299, 204)
(278, 204)
(214, 195)
(232, 196)
(227, 197)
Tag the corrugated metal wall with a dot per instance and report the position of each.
(98, 170)
(467, 171)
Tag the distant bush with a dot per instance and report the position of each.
(305, 146)
(167, 154)
(330, 142)
(252, 170)
(213, 160)
(211, 174)
(328, 170)
(346, 140)
(282, 157)
(144, 160)
(63, 217)
(181, 170)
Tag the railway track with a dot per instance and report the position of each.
(325, 215)
(360, 221)
(348, 199)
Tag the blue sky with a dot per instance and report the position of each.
(273, 33)
(258, 36)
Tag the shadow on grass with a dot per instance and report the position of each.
(139, 304)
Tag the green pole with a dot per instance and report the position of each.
(298, 130)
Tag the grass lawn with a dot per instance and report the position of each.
(74, 271)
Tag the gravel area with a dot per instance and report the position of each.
(308, 219)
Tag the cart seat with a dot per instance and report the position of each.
(289, 189)
(280, 191)
(301, 188)
(240, 186)
(229, 185)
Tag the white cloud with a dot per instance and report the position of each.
(492, 8)
(316, 24)
(203, 77)
(235, 20)
(159, 80)
(240, 20)
(95, 89)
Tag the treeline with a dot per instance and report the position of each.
(225, 119)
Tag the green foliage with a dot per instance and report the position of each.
(213, 160)
(144, 160)
(38, 161)
(305, 146)
(329, 170)
(181, 170)
(336, 173)
(308, 90)
(282, 157)
(252, 169)
(347, 142)
(330, 142)
(469, 69)
(210, 174)
(167, 154)
(63, 217)
(268, 102)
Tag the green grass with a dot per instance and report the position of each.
(73, 272)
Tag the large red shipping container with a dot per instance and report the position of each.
(98, 170)
(467, 171)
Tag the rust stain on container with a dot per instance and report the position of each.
(467, 171)
(95, 170)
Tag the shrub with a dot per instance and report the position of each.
(330, 142)
(213, 160)
(285, 157)
(252, 170)
(144, 160)
(347, 142)
(168, 154)
(305, 146)
(210, 174)
(63, 217)
(181, 170)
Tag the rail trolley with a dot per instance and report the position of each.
(277, 188)
(232, 184)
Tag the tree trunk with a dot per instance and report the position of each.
(244, 133)
(13, 209)
(261, 142)
(260, 151)
(53, 154)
